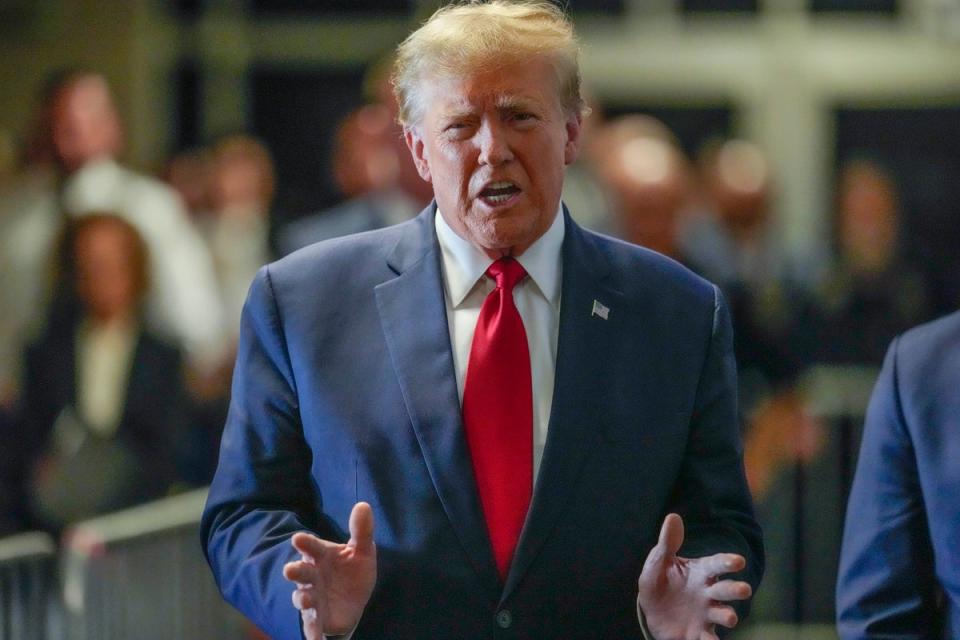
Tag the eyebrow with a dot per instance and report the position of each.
(504, 103)
(515, 103)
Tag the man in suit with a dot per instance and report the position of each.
(517, 438)
(900, 561)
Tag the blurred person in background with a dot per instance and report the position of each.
(367, 164)
(188, 173)
(649, 182)
(238, 191)
(80, 136)
(729, 238)
(870, 293)
(373, 170)
(104, 411)
(236, 227)
(797, 464)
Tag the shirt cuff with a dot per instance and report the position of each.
(345, 636)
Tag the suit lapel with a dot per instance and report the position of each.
(413, 316)
(585, 339)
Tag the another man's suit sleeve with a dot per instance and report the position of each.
(260, 495)
(885, 587)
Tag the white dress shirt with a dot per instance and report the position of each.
(537, 298)
(104, 358)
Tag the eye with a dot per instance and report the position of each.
(457, 129)
(523, 118)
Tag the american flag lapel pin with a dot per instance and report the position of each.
(600, 310)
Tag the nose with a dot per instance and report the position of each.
(494, 144)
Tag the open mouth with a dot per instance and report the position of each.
(497, 193)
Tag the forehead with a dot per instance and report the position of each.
(533, 84)
(82, 96)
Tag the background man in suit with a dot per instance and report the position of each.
(900, 561)
(518, 437)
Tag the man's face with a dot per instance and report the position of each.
(85, 124)
(494, 145)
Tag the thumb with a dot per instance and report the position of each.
(671, 535)
(662, 556)
(361, 528)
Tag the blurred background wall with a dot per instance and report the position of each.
(805, 79)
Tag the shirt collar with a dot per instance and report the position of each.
(464, 264)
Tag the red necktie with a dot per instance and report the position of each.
(498, 413)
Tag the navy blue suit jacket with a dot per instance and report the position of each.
(900, 563)
(345, 390)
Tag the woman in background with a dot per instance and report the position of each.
(104, 402)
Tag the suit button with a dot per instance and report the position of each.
(504, 619)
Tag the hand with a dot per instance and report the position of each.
(334, 581)
(781, 432)
(682, 598)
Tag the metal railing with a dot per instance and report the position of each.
(139, 573)
(29, 597)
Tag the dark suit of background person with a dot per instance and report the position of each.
(900, 562)
(349, 394)
(153, 411)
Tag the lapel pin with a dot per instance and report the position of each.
(600, 309)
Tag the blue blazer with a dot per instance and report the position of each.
(345, 390)
(900, 562)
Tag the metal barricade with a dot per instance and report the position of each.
(29, 603)
(139, 573)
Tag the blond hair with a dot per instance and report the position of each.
(481, 35)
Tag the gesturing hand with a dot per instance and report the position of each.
(334, 581)
(681, 598)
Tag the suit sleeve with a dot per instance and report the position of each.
(261, 493)
(711, 493)
(885, 586)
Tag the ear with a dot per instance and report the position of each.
(418, 150)
(574, 126)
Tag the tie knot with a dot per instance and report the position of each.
(507, 272)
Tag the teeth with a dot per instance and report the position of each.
(500, 191)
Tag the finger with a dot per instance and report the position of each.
(303, 573)
(721, 563)
(304, 599)
(726, 590)
(310, 545)
(312, 623)
(361, 528)
(723, 615)
(708, 635)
